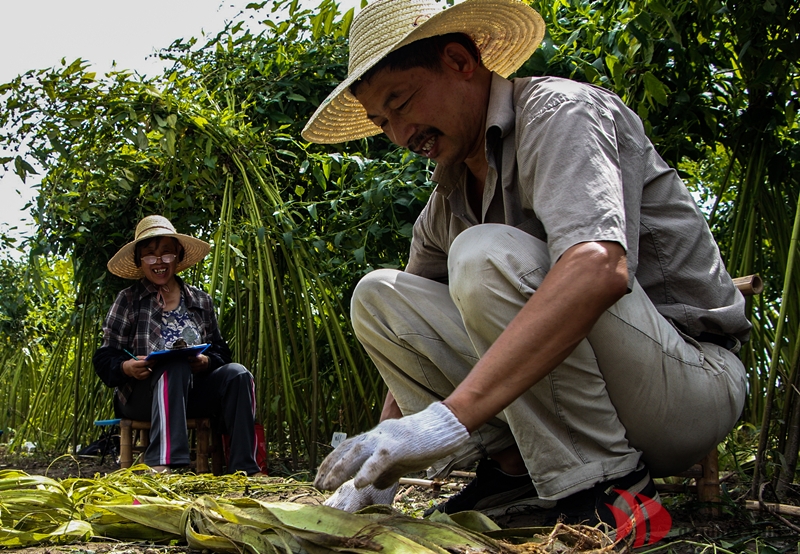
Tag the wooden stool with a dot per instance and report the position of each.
(706, 479)
(135, 436)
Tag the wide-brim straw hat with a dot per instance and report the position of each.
(505, 31)
(122, 263)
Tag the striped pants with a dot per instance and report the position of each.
(173, 394)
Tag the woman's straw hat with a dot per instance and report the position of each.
(506, 31)
(122, 263)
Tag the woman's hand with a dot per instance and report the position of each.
(199, 363)
(138, 368)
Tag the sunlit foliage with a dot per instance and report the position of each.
(214, 144)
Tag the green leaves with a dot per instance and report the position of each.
(655, 89)
(208, 513)
(22, 168)
(36, 509)
(210, 145)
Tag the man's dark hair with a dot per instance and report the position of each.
(425, 53)
(137, 250)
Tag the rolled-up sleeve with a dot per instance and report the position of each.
(572, 173)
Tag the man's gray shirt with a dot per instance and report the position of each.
(570, 163)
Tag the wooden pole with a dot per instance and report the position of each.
(749, 285)
(784, 509)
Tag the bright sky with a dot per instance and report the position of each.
(36, 34)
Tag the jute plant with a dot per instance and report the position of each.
(213, 145)
(209, 146)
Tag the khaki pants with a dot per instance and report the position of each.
(634, 390)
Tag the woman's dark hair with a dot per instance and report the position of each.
(137, 251)
(425, 53)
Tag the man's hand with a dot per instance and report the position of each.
(138, 368)
(350, 499)
(392, 449)
(199, 363)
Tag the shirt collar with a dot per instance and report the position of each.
(499, 115)
(149, 288)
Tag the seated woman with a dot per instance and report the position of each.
(160, 312)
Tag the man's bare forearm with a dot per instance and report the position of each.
(587, 280)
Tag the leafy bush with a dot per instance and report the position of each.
(214, 145)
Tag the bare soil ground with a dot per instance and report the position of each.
(694, 530)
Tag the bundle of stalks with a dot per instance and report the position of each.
(237, 514)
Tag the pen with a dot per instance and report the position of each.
(135, 358)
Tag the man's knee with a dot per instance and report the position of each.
(492, 259)
(369, 294)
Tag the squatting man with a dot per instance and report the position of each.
(565, 318)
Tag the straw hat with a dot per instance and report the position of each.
(122, 263)
(506, 31)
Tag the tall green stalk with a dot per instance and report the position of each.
(766, 418)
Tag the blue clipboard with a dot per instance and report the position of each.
(161, 355)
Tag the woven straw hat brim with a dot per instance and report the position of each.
(123, 266)
(507, 32)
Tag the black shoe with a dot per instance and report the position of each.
(625, 504)
(490, 488)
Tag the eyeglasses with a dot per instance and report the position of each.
(165, 258)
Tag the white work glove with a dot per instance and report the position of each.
(350, 499)
(392, 449)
